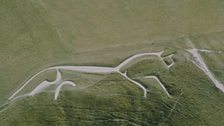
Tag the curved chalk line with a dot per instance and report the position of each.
(91, 69)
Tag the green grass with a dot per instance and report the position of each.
(115, 101)
(200, 100)
(35, 34)
(104, 103)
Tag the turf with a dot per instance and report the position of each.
(35, 34)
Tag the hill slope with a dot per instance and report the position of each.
(36, 34)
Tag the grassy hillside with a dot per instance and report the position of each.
(35, 34)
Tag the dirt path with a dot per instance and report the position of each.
(199, 62)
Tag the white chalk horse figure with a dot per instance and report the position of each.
(198, 61)
(90, 69)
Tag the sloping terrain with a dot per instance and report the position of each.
(39, 34)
